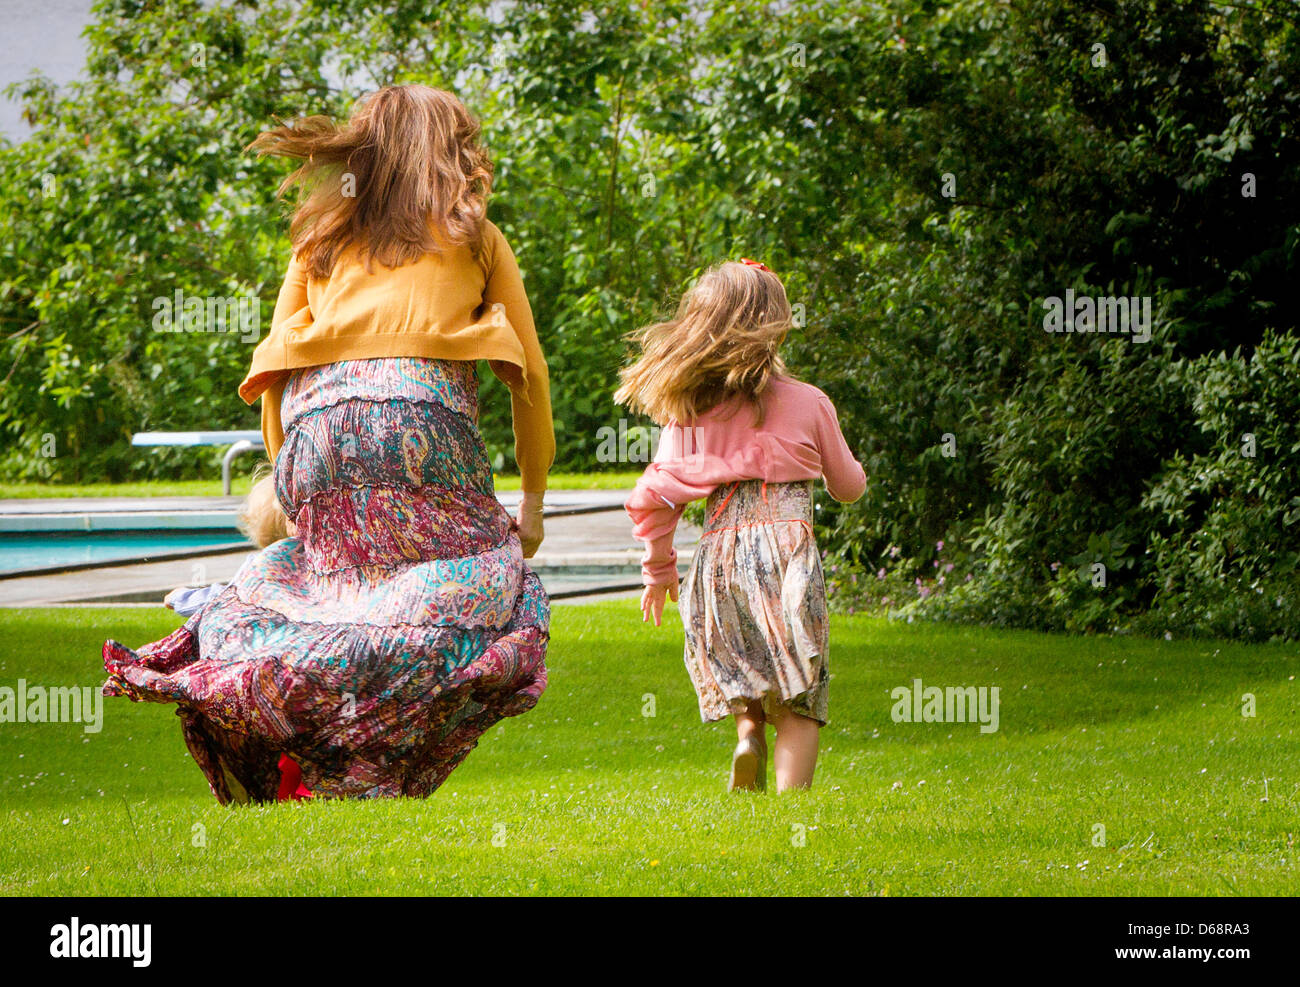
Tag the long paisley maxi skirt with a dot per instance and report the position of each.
(754, 604)
(400, 623)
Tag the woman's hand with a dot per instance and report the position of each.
(652, 601)
(529, 521)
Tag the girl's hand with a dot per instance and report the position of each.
(169, 601)
(652, 601)
(530, 523)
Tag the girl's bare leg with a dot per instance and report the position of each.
(796, 750)
(751, 723)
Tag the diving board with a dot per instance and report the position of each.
(239, 441)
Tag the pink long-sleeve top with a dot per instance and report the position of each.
(800, 439)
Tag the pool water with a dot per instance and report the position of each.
(52, 550)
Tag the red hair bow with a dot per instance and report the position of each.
(754, 263)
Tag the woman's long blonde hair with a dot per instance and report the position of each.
(405, 176)
(724, 343)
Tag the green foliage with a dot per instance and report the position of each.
(1225, 540)
(134, 187)
(922, 174)
(1122, 179)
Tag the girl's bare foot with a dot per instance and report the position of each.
(748, 766)
(749, 760)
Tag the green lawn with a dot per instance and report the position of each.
(239, 486)
(587, 795)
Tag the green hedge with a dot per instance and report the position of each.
(922, 174)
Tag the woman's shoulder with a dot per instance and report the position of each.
(491, 237)
(493, 247)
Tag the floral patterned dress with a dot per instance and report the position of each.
(377, 645)
(754, 604)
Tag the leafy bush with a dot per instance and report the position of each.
(1225, 538)
(1122, 179)
(923, 175)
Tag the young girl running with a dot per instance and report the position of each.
(751, 439)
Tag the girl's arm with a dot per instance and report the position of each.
(846, 480)
(656, 505)
(654, 523)
(530, 405)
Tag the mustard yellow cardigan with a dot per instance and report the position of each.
(455, 306)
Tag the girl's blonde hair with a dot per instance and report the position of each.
(724, 343)
(404, 177)
(260, 516)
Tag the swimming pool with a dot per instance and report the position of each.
(99, 544)
(31, 553)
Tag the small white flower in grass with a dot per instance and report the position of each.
(66, 821)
